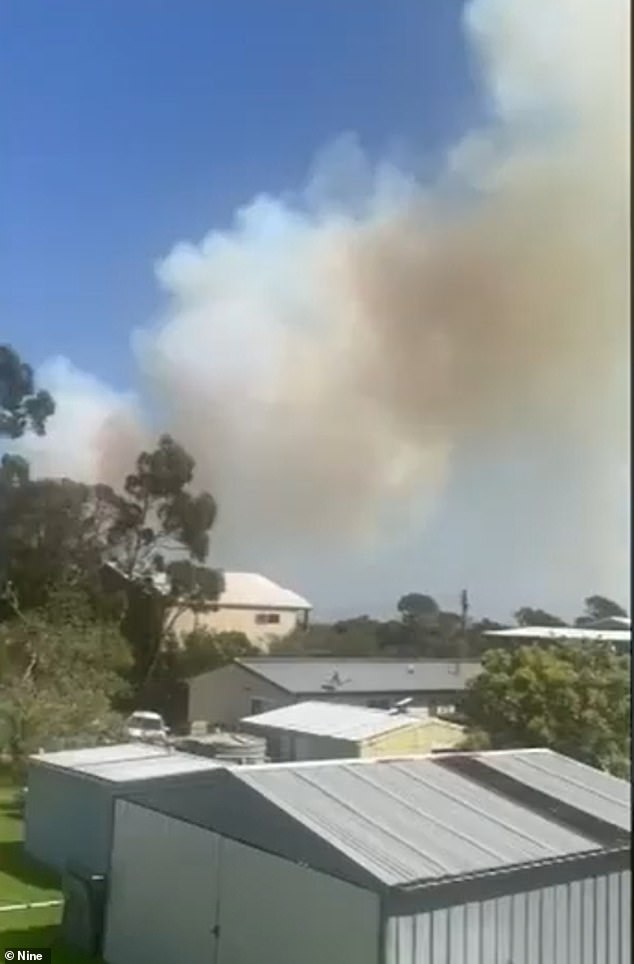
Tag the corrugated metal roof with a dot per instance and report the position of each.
(172, 764)
(341, 676)
(126, 761)
(335, 720)
(564, 633)
(257, 592)
(78, 759)
(589, 790)
(410, 820)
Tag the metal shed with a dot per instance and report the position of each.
(499, 858)
(70, 799)
(317, 730)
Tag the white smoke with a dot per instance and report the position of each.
(333, 357)
(95, 434)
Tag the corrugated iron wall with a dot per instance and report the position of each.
(68, 819)
(584, 922)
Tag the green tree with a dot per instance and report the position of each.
(527, 616)
(113, 546)
(22, 409)
(478, 642)
(202, 651)
(425, 631)
(179, 660)
(59, 674)
(158, 516)
(56, 534)
(597, 608)
(572, 699)
(346, 638)
(416, 607)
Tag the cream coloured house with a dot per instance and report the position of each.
(250, 604)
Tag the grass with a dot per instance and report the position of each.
(22, 881)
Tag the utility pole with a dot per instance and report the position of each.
(464, 618)
(464, 609)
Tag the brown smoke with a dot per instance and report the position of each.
(323, 363)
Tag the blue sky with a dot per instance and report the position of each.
(127, 126)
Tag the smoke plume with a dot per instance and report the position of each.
(335, 356)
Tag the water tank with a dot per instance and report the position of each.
(226, 747)
(83, 914)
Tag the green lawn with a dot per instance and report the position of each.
(21, 881)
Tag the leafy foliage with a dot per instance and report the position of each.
(349, 637)
(56, 535)
(438, 638)
(157, 513)
(202, 651)
(598, 608)
(22, 408)
(59, 672)
(416, 607)
(575, 700)
(527, 616)
(179, 660)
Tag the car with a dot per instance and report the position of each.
(147, 726)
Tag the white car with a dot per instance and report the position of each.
(147, 726)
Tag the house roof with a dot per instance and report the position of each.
(174, 764)
(257, 592)
(97, 755)
(303, 676)
(335, 720)
(563, 633)
(125, 762)
(415, 820)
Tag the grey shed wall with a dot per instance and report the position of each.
(69, 815)
(68, 819)
(581, 922)
(228, 903)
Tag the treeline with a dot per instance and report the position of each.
(423, 630)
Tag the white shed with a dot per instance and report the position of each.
(461, 859)
(70, 798)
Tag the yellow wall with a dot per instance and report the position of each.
(238, 620)
(421, 738)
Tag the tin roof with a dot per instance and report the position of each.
(411, 820)
(335, 720)
(568, 634)
(592, 791)
(126, 762)
(304, 676)
(78, 759)
(257, 592)
(409, 823)
(151, 768)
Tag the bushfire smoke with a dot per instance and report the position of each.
(334, 357)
